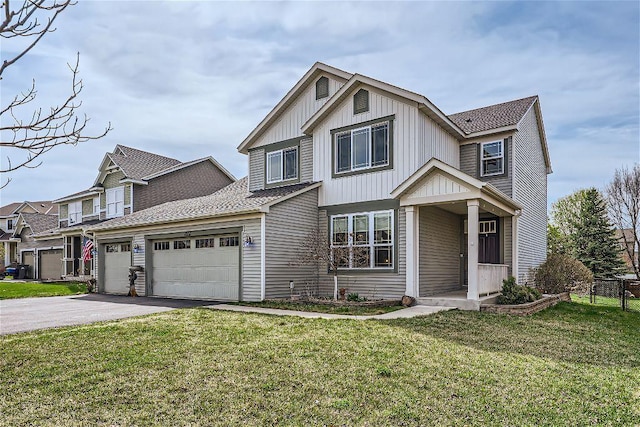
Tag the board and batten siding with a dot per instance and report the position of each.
(290, 122)
(250, 255)
(372, 285)
(470, 163)
(416, 139)
(530, 190)
(287, 226)
(439, 266)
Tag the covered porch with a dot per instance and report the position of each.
(461, 237)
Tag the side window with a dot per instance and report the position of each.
(282, 165)
(492, 158)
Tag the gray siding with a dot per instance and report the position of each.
(283, 240)
(507, 246)
(370, 285)
(306, 160)
(256, 170)
(470, 164)
(197, 180)
(530, 190)
(138, 259)
(439, 251)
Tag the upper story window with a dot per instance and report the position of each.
(9, 224)
(361, 101)
(492, 158)
(362, 148)
(96, 205)
(75, 212)
(115, 202)
(322, 88)
(363, 240)
(282, 165)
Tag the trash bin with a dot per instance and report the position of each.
(10, 271)
(23, 271)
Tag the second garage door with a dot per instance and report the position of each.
(202, 267)
(117, 260)
(50, 264)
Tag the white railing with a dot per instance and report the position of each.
(490, 277)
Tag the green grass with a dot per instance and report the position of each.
(354, 310)
(601, 301)
(35, 289)
(569, 365)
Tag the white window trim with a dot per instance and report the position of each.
(96, 203)
(77, 214)
(115, 191)
(369, 148)
(282, 165)
(371, 245)
(483, 158)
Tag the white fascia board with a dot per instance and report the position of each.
(77, 197)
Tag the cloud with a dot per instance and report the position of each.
(192, 79)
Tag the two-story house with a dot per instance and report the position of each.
(8, 219)
(438, 207)
(128, 180)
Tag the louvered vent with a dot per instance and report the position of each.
(322, 88)
(361, 101)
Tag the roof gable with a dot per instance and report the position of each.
(317, 69)
(37, 222)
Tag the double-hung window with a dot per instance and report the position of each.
(96, 205)
(75, 213)
(492, 158)
(362, 148)
(363, 240)
(282, 165)
(115, 202)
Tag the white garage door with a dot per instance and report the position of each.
(201, 267)
(50, 264)
(117, 260)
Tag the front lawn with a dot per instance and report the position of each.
(354, 310)
(569, 365)
(35, 289)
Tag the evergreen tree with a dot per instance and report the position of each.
(593, 240)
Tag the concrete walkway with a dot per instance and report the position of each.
(416, 310)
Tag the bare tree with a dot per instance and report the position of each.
(623, 196)
(26, 131)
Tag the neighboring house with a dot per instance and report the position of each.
(44, 257)
(438, 207)
(629, 251)
(129, 180)
(8, 219)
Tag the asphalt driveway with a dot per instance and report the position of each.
(30, 314)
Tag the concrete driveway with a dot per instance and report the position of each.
(30, 314)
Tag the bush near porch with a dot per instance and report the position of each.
(205, 367)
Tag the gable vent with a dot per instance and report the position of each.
(361, 101)
(322, 88)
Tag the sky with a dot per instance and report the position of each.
(192, 79)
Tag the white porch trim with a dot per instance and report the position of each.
(413, 249)
(473, 213)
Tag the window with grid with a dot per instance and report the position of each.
(229, 241)
(367, 238)
(282, 165)
(363, 148)
(161, 246)
(181, 244)
(205, 243)
(492, 158)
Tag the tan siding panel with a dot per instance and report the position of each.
(439, 251)
(530, 190)
(287, 226)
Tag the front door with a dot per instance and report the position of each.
(488, 242)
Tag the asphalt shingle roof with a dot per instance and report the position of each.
(42, 206)
(40, 222)
(493, 116)
(232, 199)
(137, 164)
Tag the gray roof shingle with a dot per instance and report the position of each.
(232, 199)
(40, 222)
(137, 164)
(493, 116)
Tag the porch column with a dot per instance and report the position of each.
(514, 245)
(473, 207)
(412, 229)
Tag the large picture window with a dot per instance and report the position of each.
(362, 148)
(282, 165)
(492, 158)
(365, 239)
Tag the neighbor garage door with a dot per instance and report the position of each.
(201, 267)
(50, 264)
(117, 260)
(29, 259)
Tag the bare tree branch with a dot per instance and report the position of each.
(43, 130)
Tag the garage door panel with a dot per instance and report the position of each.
(207, 272)
(117, 260)
(50, 264)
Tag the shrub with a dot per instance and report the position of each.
(353, 296)
(561, 273)
(512, 293)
